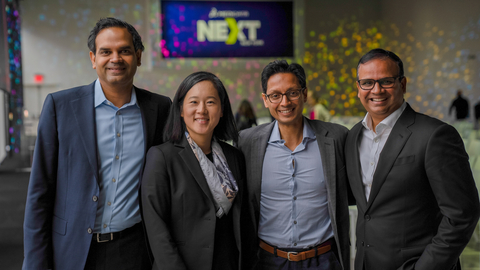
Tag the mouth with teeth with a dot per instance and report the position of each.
(378, 99)
(286, 111)
(201, 120)
(116, 69)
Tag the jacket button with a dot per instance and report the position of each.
(90, 231)
(95, 198)
(363, 243)
(367, 217)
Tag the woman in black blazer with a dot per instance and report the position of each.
(192, 185)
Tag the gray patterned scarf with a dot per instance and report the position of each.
(220, 179)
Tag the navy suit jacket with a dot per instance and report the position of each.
(423, 206)
(60, 210)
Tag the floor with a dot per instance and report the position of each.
(13, 193)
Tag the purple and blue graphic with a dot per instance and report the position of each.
(226, 29)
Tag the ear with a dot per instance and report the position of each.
(138, 54)
(305, 94)
(92, 58)
(403, 84)
(265, 102)
(358, 89)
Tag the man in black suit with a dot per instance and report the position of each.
(417, 201)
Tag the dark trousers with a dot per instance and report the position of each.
(326, 261)
(126, 252)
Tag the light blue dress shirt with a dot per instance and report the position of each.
(120, 146)
(293, 202)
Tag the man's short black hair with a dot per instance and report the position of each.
(382, 54)
(113, 22)
(282, 66)
(175, 127)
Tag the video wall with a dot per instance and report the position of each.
(226, 29)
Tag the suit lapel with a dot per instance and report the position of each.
(327, 153)
(394, 145)
(149, 116)
(259, 147)
(84, 113)
(194, 167)
(356, 182)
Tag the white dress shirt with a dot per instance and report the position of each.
(372, 143)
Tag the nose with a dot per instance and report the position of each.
(284, 101)
(116, 57)
(377, 88)
(201, 108)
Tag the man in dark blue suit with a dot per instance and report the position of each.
(82, 209)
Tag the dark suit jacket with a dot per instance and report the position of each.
(179, 209)
(423, 206)
(330, 139)
(60, 210)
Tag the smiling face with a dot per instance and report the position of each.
(201, 111)
(381, 102)
(287, 112)
(115, 59)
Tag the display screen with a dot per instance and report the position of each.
(226, 29)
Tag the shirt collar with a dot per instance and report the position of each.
(100, 96)
(388, 122)
(308, 133)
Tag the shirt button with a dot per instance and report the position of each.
(104, 225)
(95, 198)
(295, 244)
(118, 134)
(368, 246)
(114, 180)
(376, 140)
(371, 163)
(89, 230)
(293, 175)
(367, 217)
(117, 157)
(295, 198)
(109, 203)
(118, 113)
(295, 222)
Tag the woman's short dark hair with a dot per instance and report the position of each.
(175, 127)
(113, 22)
(282, 66)
(382, 54)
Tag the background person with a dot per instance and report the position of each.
(316, 110)
(192, 185)
(460, 104)
(245, 117)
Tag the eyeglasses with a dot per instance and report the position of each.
(291, 95)
(369, 84)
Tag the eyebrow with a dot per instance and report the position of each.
(198, 97)
(289, 89)
(121, 48)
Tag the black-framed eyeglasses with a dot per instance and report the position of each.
(369, 84)
(291, 95)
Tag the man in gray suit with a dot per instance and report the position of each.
(416, 197)
(297, 186)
